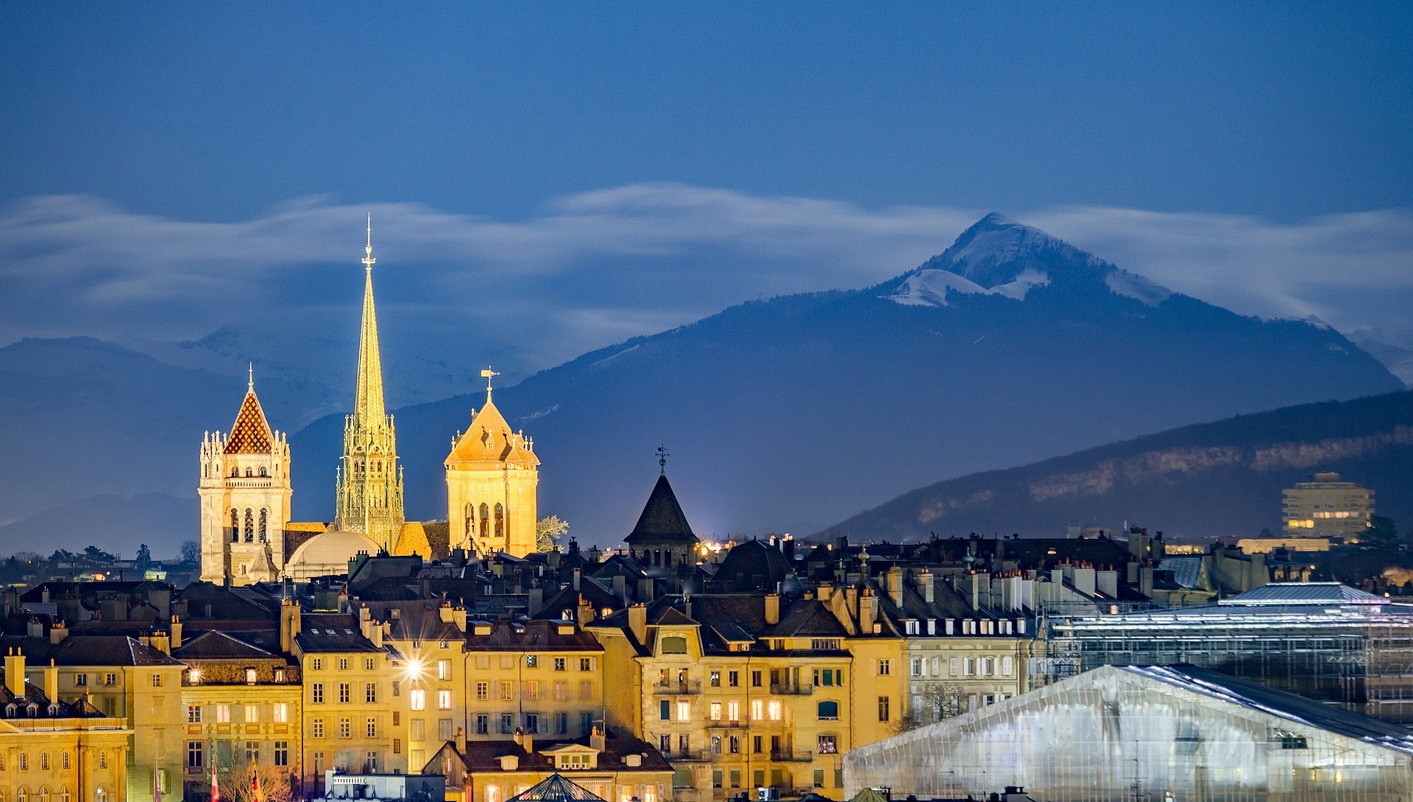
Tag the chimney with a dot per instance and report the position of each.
(58, 632)
(176, 633)
(36, 628)
(536, 601)
(584, 612)
(458, 617)
(526, 741)
(15, 672)
(51, 682)
(575, 579)
(826, 591)
(596, 737)
(445, 612)
(620, 587)
(645, 590)
(638, 622)
(926, 586)
(868, 612)
(895, 585)
(772, 609)
(161, 642)
(289, 624)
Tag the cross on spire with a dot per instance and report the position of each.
(368, 259)
(488, 374)
(662, 456)
(251, 386)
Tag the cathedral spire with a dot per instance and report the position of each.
(368, 398)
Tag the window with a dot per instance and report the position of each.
(483, 691)
(532, 723)
(757, 744)
(370, 692)
(318, 727)
(483, 724)
(193, 714)
(43, 761)
(757, 710)
(156, 680)
(952, 665)
(561, 723)
(664, 710)
(318, 664)
(1007, 666)
(507, 723)
(715, 713)
(371, 762)
(733, 712)
(102, 759)
(586, 664)
(733, 679)
(223, 714)
(561, 691)
(885, 667)
(251, 675)
(343, 664)
(559, 664)
(915, 667)
(281, 710)
(507, 691)
(733, 745)
(828, 744)
(684, 711)
(110, 680)
(345, 728)
(532, 690)
(774, 710)
(372, 728)
(417, 699)
(674, 645)
(368, 664)
(281, 753)
(252, 751)
(714, 679)
(264, 518)
(443, 700)
(756, 679)
(969, 666)
(193, 755)
(252, 714)
(828, 711)
(532, 661)
(825, 644)
(443, 670)
(883, 705)
(317, 693)
(80, 680)
(819, 778)
(345, 692)
(586, 689)
(279, 675)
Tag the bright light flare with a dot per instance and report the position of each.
(414, 669)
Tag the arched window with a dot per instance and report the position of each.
(249, 525)
(24, 761)
(43, 762)
(100, 794)
(235, 472)
(470, 520)
(500, 521)
(64, 796)
(22, 795)
(828, 711)
(235, 526)
(264, 532)
(44, 795)
(249, 473)
(102, 758)
(264, 472)
(485, 521)
(64, 759)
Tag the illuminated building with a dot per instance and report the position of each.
(491, 478)
(1327, 507)
(525, 768)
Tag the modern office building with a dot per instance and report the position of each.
(1327, 507)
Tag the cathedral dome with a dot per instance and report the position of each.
(328, 554)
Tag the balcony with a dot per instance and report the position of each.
(791, 690)
(791, 755)
(725, 724)
(678, 688)
(687, 756)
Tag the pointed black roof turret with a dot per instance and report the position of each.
(662, 520)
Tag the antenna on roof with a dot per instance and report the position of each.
(662, 456)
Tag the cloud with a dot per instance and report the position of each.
(596, 267)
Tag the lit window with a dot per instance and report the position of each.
(715, 711)
(684, 711)
(252, 714)
(281, 711)
(223, 714)
(193, 714)
(443, 700)
(444, 669)
(418, 700)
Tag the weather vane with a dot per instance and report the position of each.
(488, 374)
(662, 456)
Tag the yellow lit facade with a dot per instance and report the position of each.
(491, 478)
(1327, 507)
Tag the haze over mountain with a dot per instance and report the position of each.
(1212, 479)
(782, 415)
(791, 413)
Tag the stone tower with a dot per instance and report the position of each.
(245, 494)
(491, 476)
(368, 485)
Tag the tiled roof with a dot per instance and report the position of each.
(250, 434)
(90, 650)
(220, 646)
(662, 519)
(332, 633)
(529, 636)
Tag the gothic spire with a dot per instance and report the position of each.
(368, 400)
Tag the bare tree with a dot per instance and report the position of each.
(240, 783)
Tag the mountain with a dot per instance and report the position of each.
(792, 413)
(1223, 478)
(114, 523)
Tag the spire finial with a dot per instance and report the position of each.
(488, 374)
(662, 456)
(251, 385)
(368, 259)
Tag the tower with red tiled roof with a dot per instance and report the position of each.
(245, 495)
(491, 478)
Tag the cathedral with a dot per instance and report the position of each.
(246, 535)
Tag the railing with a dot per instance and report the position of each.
(687, 756)
(791, 690)
(737, 724)
(678, 688)
(791, 756)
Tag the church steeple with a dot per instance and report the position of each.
(369, 482)
(368, 399)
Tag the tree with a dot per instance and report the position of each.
(191, 551)
(936, 701)
(1381, 535)
(239, 784)
(548, 532)
(98, 556)
(144, 555)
